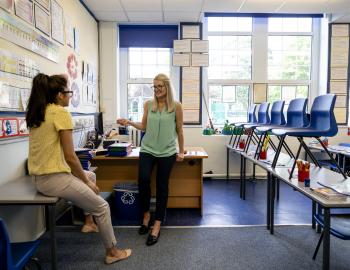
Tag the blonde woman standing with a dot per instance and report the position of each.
(162, 121)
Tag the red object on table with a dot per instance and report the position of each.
(241, 144)
(302, 175)
(263, 155)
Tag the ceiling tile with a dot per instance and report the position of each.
(178, 5)
(258, 6)
(111, 16)
(135, 16)
(105, 5)
(222, 5)
(181, 16)
(142, 5)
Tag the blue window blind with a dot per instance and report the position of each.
(262, 15)
(147, 36)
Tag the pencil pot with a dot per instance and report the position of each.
(127, 201)
(302, 175)
(241, 144)
(263, 154)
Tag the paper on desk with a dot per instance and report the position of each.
(342, 187)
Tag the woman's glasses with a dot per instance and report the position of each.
(157, 87)
(69, 93)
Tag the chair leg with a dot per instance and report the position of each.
(307, 150)
(233, 132)
(332, 158)
(318, 246)
(295, 160)
(258, 147)
(274, 162)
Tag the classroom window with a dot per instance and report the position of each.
(290, 25)
(289, 57)
(228, 102)
(148, 62)
(286, 92)
(143, 65)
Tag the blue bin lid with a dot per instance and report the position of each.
(128, 186)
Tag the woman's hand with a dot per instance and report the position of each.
(93, 186)
(123, 122)
(180, 157)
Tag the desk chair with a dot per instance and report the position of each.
(16, 255)
(322, 123)
(263, 119)
(340, 227)
(251, 119)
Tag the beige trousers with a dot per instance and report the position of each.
(71, 188)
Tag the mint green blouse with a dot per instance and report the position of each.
(160, 137)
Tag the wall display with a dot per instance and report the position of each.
(76, 40)
(72, 66)
(9, 98)
(190, 72)
(42, 20)
(338, 82)
(199, 60)
(7, 5)
(24, 97)
(22, 127)
(9, 127)
(200, 46)
(24, 10)
(340, 30)
(17, 32)
(15, 64)
(69, 32)
(182, 46)
(181, 59)
(44, 3)
(191, 31)
(259, 92)
(57, 27)
(75, 100)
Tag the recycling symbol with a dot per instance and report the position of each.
(128, 198)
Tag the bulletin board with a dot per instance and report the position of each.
(338, 69)
(32, 40)
(191, 54)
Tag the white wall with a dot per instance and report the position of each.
(26, 223)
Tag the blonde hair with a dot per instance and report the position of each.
(170, 102)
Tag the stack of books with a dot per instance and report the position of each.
(328, 193)
(119, 149)
(84, 156)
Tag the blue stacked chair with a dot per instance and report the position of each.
(15, 256)
(277, 120)
(296, 118)
(322, 123)
(263, 119)
(251, 119)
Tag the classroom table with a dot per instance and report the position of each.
(23, 192)
(185, 182)
(282, 172)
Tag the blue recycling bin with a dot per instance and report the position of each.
(127, 201)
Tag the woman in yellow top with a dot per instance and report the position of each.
(53, 162)
(162, 120)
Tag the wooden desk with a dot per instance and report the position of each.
(23, 192)
(185, 183)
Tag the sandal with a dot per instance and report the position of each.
(112, 259)
(89, 228)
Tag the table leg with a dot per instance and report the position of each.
(268, 197)
(313, 222)
(227, 162)
(52, 222)
(241, 178)
(272, 202)
(326, 239)
(244, 175)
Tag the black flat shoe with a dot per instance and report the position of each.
(143, 229)
(151, 240)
